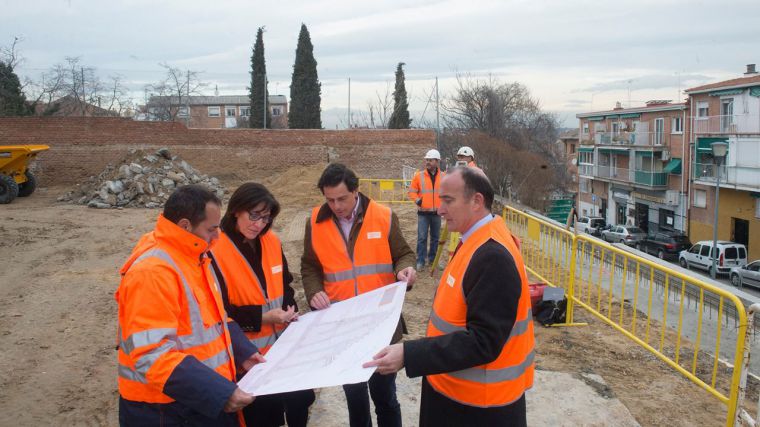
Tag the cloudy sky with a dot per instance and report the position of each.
(574, 55)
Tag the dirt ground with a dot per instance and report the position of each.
(58, 273)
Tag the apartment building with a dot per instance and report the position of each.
(225, 111)
(727, 111)
(630, 165)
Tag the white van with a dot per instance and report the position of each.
(730, 255)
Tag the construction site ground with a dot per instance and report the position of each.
(59, 270)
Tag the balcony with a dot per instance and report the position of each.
(630, 176)
(585, 169)
(728, 124)
(652, 179)
(747, 177)
(635, 138)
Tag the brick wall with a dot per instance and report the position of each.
(83, 146)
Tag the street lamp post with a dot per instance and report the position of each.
(719, 150)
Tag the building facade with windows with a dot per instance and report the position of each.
(631, 168)
(225, 111)
(727, 111)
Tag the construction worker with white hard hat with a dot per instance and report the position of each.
(424, 191)
(467, 155)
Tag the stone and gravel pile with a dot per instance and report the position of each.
(140, 180)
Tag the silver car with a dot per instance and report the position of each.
(627, 234)
(748, 275)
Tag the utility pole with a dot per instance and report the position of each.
(84, 95)
(437, 118)
(187, 101)
(265, 100)
(349, 102)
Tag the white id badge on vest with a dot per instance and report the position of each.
(277, 269)
(374, 235)
(450, 280)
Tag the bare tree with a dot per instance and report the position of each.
(73, 89)
(171, 95)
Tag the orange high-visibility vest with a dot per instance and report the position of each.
(504, 380)
(369, 267)
(170, 308)
(422, 187)
(244, 287)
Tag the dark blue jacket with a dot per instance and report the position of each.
(199, 393)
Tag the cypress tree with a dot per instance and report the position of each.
(305, 99)
(12, 100)
(259, 93)
(400, 116)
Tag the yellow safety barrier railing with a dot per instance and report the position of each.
(385, 190)
(690, 325)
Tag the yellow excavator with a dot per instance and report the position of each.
(15, 178)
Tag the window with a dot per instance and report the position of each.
(677, 125)
(276, 111)
(757, 208)
(700, 198)
(572, 148)
(245, 111)
(229, 111)
(586, 157)
(695, 249)
(584, 185)
(702, 110)
(585, 128)
(705, 250)
(214, 111)
(182, 112)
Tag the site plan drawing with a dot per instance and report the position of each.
(328, 347)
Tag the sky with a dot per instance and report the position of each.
(574, 55)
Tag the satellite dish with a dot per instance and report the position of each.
(574, 162)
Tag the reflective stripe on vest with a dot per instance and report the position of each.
(519, 328)
(490, 376)
(362, 270)
(200, 335)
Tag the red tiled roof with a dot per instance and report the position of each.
(727, 83)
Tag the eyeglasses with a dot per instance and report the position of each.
(255, 216)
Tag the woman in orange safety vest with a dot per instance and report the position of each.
(253, 273)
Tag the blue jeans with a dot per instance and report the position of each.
(425, 224)
(383, 391)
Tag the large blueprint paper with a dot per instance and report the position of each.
(328, 347)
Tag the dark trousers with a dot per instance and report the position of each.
(382, 388)
(140, 414)
(427, 224)
(438, 410)
(268, 411)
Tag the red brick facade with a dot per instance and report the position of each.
(83, 146)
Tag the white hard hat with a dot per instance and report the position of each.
(433, 154)
(466, 151)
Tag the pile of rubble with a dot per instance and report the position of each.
(140, 180)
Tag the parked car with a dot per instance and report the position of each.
(729, 255)
(627, 234)
(664, 244)
(746, 275)
(590, 224)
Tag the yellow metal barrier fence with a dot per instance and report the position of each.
(687, 323)
(385, 190)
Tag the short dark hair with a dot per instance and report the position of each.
(335, 174)
(246, 198)
(189, 202)
(476, 181)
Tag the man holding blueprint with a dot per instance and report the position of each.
(352, 246)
